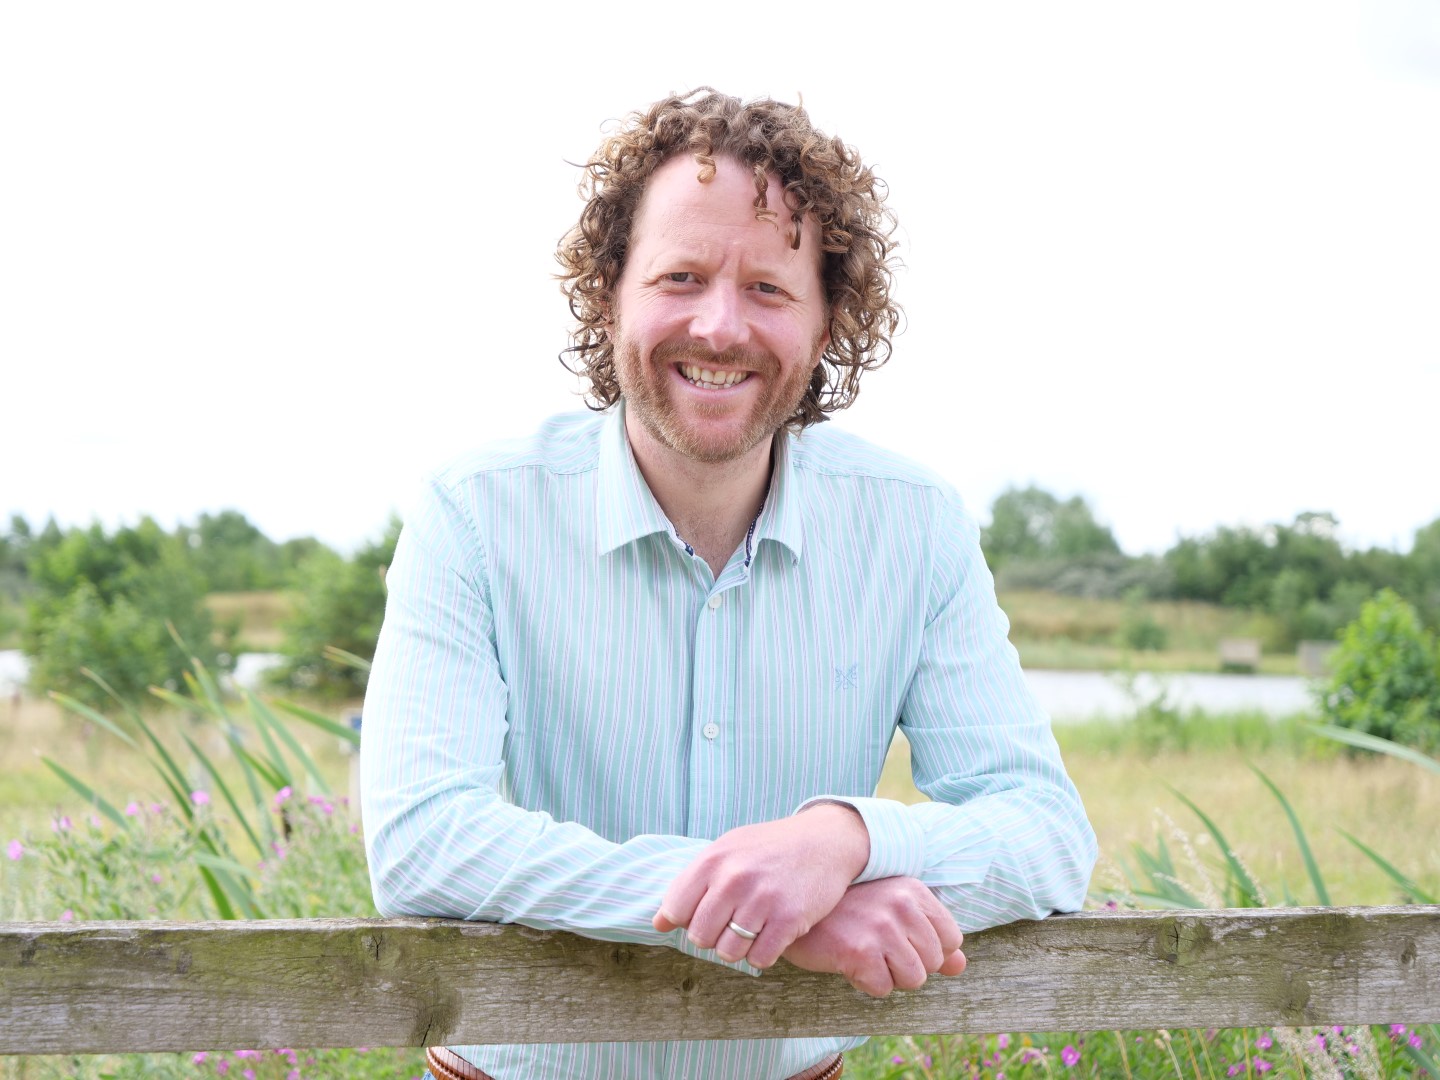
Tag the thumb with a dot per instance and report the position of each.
(954, 964)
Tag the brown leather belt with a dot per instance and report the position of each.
(448, 1065)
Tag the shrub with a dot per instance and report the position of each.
(1386, 676)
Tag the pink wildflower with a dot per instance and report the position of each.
(1003, 1042)
(1262, 1066)
(200, 797)
(1415, 1040)
(1397, 1029)
(15, 850)
(283, 795)
(67, 915)
(1070, 1055)
(198, 1059)
(132, 809)
(249, 1074)
(60, 824)
(222, 1066)
(1264, 1042)
(95, 821)
(155, 879)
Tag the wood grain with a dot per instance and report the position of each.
(114, 987)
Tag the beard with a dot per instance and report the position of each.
(689, 431)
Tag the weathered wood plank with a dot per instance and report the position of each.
(93, 987)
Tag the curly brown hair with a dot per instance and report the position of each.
(821, 176)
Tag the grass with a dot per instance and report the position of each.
(1128, 776)
(1076, 633)
(259, 617)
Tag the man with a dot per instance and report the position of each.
(639, 673)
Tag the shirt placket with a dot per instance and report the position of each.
(713, 733)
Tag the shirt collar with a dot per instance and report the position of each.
(626, 509)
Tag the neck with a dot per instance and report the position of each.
(711, 505)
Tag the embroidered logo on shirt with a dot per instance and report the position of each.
(847, 678)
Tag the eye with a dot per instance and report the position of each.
(768, 289)
(680, 277)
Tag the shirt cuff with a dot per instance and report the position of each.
(897, 840)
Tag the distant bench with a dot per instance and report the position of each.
(81, 988)
(1240, 654)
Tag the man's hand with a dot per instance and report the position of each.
(884, 935)
(776, 879)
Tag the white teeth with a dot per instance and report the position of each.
(706, 377)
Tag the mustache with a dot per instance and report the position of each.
(746, 357)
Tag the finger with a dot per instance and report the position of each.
(677, 906)
(872, 977)
(944, 924)
(906, 970)
(732, 946)
(954, 963)
(708, 922)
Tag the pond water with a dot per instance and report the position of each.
(1066, 695)
(1084, 695)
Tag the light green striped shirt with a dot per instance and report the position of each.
(565, 706)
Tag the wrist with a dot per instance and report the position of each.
(845, 830)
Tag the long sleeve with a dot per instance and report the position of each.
(441, 838)
(1006, 836)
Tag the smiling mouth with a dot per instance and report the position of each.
(701, 376)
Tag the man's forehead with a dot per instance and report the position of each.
(685, 186)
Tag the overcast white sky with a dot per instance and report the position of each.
(1182, 259)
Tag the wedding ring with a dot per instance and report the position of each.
(740, 931)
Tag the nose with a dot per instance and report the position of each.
(719, 321)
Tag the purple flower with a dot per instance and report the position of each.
(60, 824)
(200, 797)
(132, 809)
(222, 1066)
(897, 1060)
(1264, 1042)
(1320, 1042)
(198, 1059)
(293, 1074)
(16, 850)
(155, 879)
(1262, 1066)
(1003, 1042)
(249, 1074)
(1234, 1070)
(1029, 1055)
(1070, 1055)
(67, 915)
(1415, 1040)
(283, 795)
(1397, 1029)
(157, 807)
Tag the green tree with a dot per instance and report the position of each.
(233, 555)
(339, 603)
(103, 602)
(1386, 675)
(1032, 524)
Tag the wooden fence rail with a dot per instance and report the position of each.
(133, 986)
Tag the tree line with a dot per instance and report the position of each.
(1299, 573)
(128, 605)
(98, 611)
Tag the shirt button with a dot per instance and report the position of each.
(710, 730)
(715, 601)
